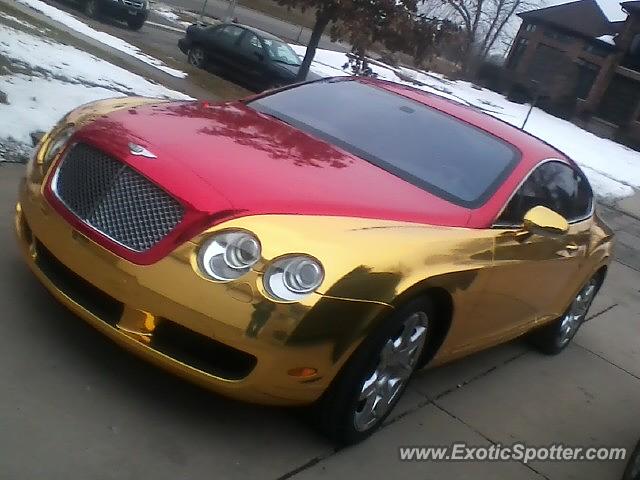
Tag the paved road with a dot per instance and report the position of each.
(74, 406)
(285, 30)
(159, 38)
(158, 42)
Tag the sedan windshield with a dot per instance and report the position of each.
(417, 143)
(281, 52)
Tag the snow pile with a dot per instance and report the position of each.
(612, 169)
(169, 13)
(113, 42)
(49, 79)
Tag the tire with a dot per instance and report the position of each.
(135, 23)
(632, 472)
(557, 335)
(367, 389)
(197, 57)
(92, 9)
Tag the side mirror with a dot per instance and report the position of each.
(543, 220)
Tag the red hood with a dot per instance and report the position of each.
(229, 157)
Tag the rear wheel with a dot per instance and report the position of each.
(373, 380)
(91, 8)
(553, 338)
(135, 23)
(197, 57)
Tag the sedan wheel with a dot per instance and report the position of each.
(577, 312)
(370, 384)
(397, 362)
(197, 57)
(91, 9)
(554, 337)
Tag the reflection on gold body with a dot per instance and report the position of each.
(499, 282)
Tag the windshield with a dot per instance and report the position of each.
(281, 52)
(417, 143)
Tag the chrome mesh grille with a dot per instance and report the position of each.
(133, 3)
(114, 199)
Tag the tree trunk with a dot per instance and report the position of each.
(500, 28)
(322, 20)
(494, 21)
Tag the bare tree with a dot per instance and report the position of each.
(359, 21)
(470, 12)
(500, 14)
(483, 21)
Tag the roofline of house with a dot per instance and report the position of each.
(572, 32)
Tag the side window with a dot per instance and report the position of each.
(251, 45)
(229, 35)
(554, 185)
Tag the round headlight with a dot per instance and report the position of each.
(229, 255)
(57, 143)
(293, 277)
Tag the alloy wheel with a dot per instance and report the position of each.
(578, 311)
(396, 363)
(91, 8)
(197, 57)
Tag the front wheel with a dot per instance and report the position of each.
(197, 57)
(555, 337)
(135, 23)
(91, 8)
(373, 380)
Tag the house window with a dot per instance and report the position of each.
(518, 52)
(597, 50)
(530, 27)
(558, 36)
(587, 74)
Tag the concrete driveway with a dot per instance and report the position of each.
(74, 406)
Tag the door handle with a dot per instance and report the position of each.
(569, 250)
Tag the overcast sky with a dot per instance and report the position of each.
(611, 8)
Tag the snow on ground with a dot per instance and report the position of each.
(49, 79)
(169, 13)
(103, 37)
(612, 169)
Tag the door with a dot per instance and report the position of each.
(252, 58)
(533, 275)
(224, 47)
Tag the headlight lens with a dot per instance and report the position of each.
(229, 255)
(57, 143)
(293, 277)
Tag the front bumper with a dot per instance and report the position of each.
(225, 337)
(122, 11)
(184, 44)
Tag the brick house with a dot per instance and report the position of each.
(576, 52)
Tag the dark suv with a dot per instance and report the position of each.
(134, 12)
